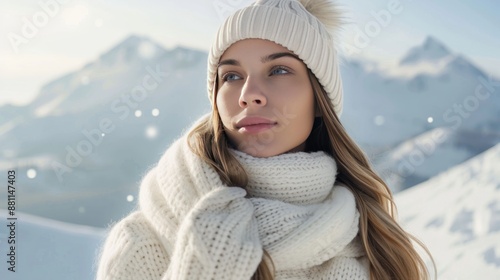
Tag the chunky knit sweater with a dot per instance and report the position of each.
(190, 225)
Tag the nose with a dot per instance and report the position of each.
(252, 94)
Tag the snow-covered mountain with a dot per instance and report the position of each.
(389, 111)
(90, 135)
(392, 106)
(49, 249)
(430, 50)
(457, 215)
(422, 157)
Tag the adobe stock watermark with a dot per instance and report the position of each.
(471, 103)
(31, 27)
(121, 106)
(380, 19)
(225, 8)
(454, 116)
(422, 149)
(259, 142)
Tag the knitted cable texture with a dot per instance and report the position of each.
(190, 225)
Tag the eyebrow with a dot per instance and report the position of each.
(263, 59)
(278, 55)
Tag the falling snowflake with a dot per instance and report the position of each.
(155, 112)
(151, 132)
(31, 173)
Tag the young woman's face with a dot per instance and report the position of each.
(264, 98)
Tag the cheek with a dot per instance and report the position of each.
(305, 109)
(224, 107)
(307, 113)
(301, 98)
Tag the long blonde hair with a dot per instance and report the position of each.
(388, 247)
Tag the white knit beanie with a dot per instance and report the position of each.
(305, 27)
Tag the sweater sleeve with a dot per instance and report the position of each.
(132, 251)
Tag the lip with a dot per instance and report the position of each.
(254, 124)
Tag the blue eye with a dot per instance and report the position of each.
(279, 71)
(231, 77)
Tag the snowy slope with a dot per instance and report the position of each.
(48, 249)
(418, 159)
(457, 215)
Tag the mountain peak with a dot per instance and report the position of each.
(432, 43)
(133, 48)
(133, 39)
(431, 50)
(461, 64)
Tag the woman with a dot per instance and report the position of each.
(269, 185)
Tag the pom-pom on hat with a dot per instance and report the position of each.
(308, 28)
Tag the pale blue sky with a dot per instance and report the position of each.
(79, 31)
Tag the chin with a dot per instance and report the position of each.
(264, 153)
(261, 153)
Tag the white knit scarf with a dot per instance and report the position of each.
(291, 208)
